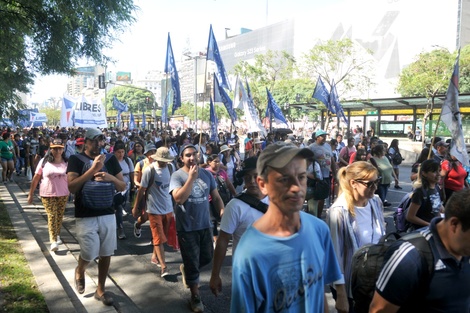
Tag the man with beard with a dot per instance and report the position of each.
(190, 187)
(95, 229)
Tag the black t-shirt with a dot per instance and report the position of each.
(429, 201)
(76, 165)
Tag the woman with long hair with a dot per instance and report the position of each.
(137, 152)
(454, 175)
(426, 200)
(381, 162)
(356, 217)
(7, 156)
(361, 155)
(423, 156)
(53, 189)
(393, 152)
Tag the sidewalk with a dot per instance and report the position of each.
(135, 283)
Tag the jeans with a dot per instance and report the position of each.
(197, 250)
(382, 191)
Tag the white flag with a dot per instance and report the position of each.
(240, 97)
(450, 115)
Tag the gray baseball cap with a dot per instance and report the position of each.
(279, 154)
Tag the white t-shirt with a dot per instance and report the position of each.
(238, 215)
(364, 222)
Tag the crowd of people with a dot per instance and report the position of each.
(191, 180)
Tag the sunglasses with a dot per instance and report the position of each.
(369, 184)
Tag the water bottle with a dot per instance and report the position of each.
(400, 220)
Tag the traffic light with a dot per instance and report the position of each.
(101, 82)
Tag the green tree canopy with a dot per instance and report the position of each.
(133, 96)
(49, 37)
(350, 65)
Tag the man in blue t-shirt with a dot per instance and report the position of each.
(190, 187)
(404, 282)
(286, 257)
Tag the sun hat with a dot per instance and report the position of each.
(162, 155)
(279, 154)
(224, 148)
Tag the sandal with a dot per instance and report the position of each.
(105, 298)
(79, 283)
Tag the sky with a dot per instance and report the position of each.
(143, 46)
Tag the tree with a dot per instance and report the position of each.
(267, 69)
(49, 37)
(134, 97)
(350, 65)
(53, 116)
(428, 76)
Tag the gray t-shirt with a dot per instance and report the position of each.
(322, 154)
(194, 213)
(159, 198)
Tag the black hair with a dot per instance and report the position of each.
(119, 145)
(458, 206)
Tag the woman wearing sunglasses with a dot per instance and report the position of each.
(53, 188)
(356, 218)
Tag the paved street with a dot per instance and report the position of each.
(134, 281)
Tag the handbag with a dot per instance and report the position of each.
(320, 190)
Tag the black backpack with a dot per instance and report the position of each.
(367, 263)
(397, 158)
(399, 216)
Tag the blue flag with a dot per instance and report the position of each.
(221, 96)
(213, 54)
(131, 121)
(166, 104)
(273, 110)
(251, 114)
(322, 94)
(119, 106)
(144, 123)
(213, 120)
(334, 103)
(170, 68)
(118, 119)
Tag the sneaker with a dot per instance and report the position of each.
(54, 246)
(398, 187)
(121, 234)
(59, 241)
(137, 231)
(386, 204)
(124, 213)
(164, 272)
(183, 276)
(196, 304)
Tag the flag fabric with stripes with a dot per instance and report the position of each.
(144, 122)
(450, 115)
(273, 110)
(170, 68)
(220, 95)
(251, 114)
(213, 54)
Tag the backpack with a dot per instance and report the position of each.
(96, 195)
(399, 216)
(222, 188)
(367, 262)
(397, 158)
(253, 202)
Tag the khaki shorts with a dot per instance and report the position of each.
(96, 236)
